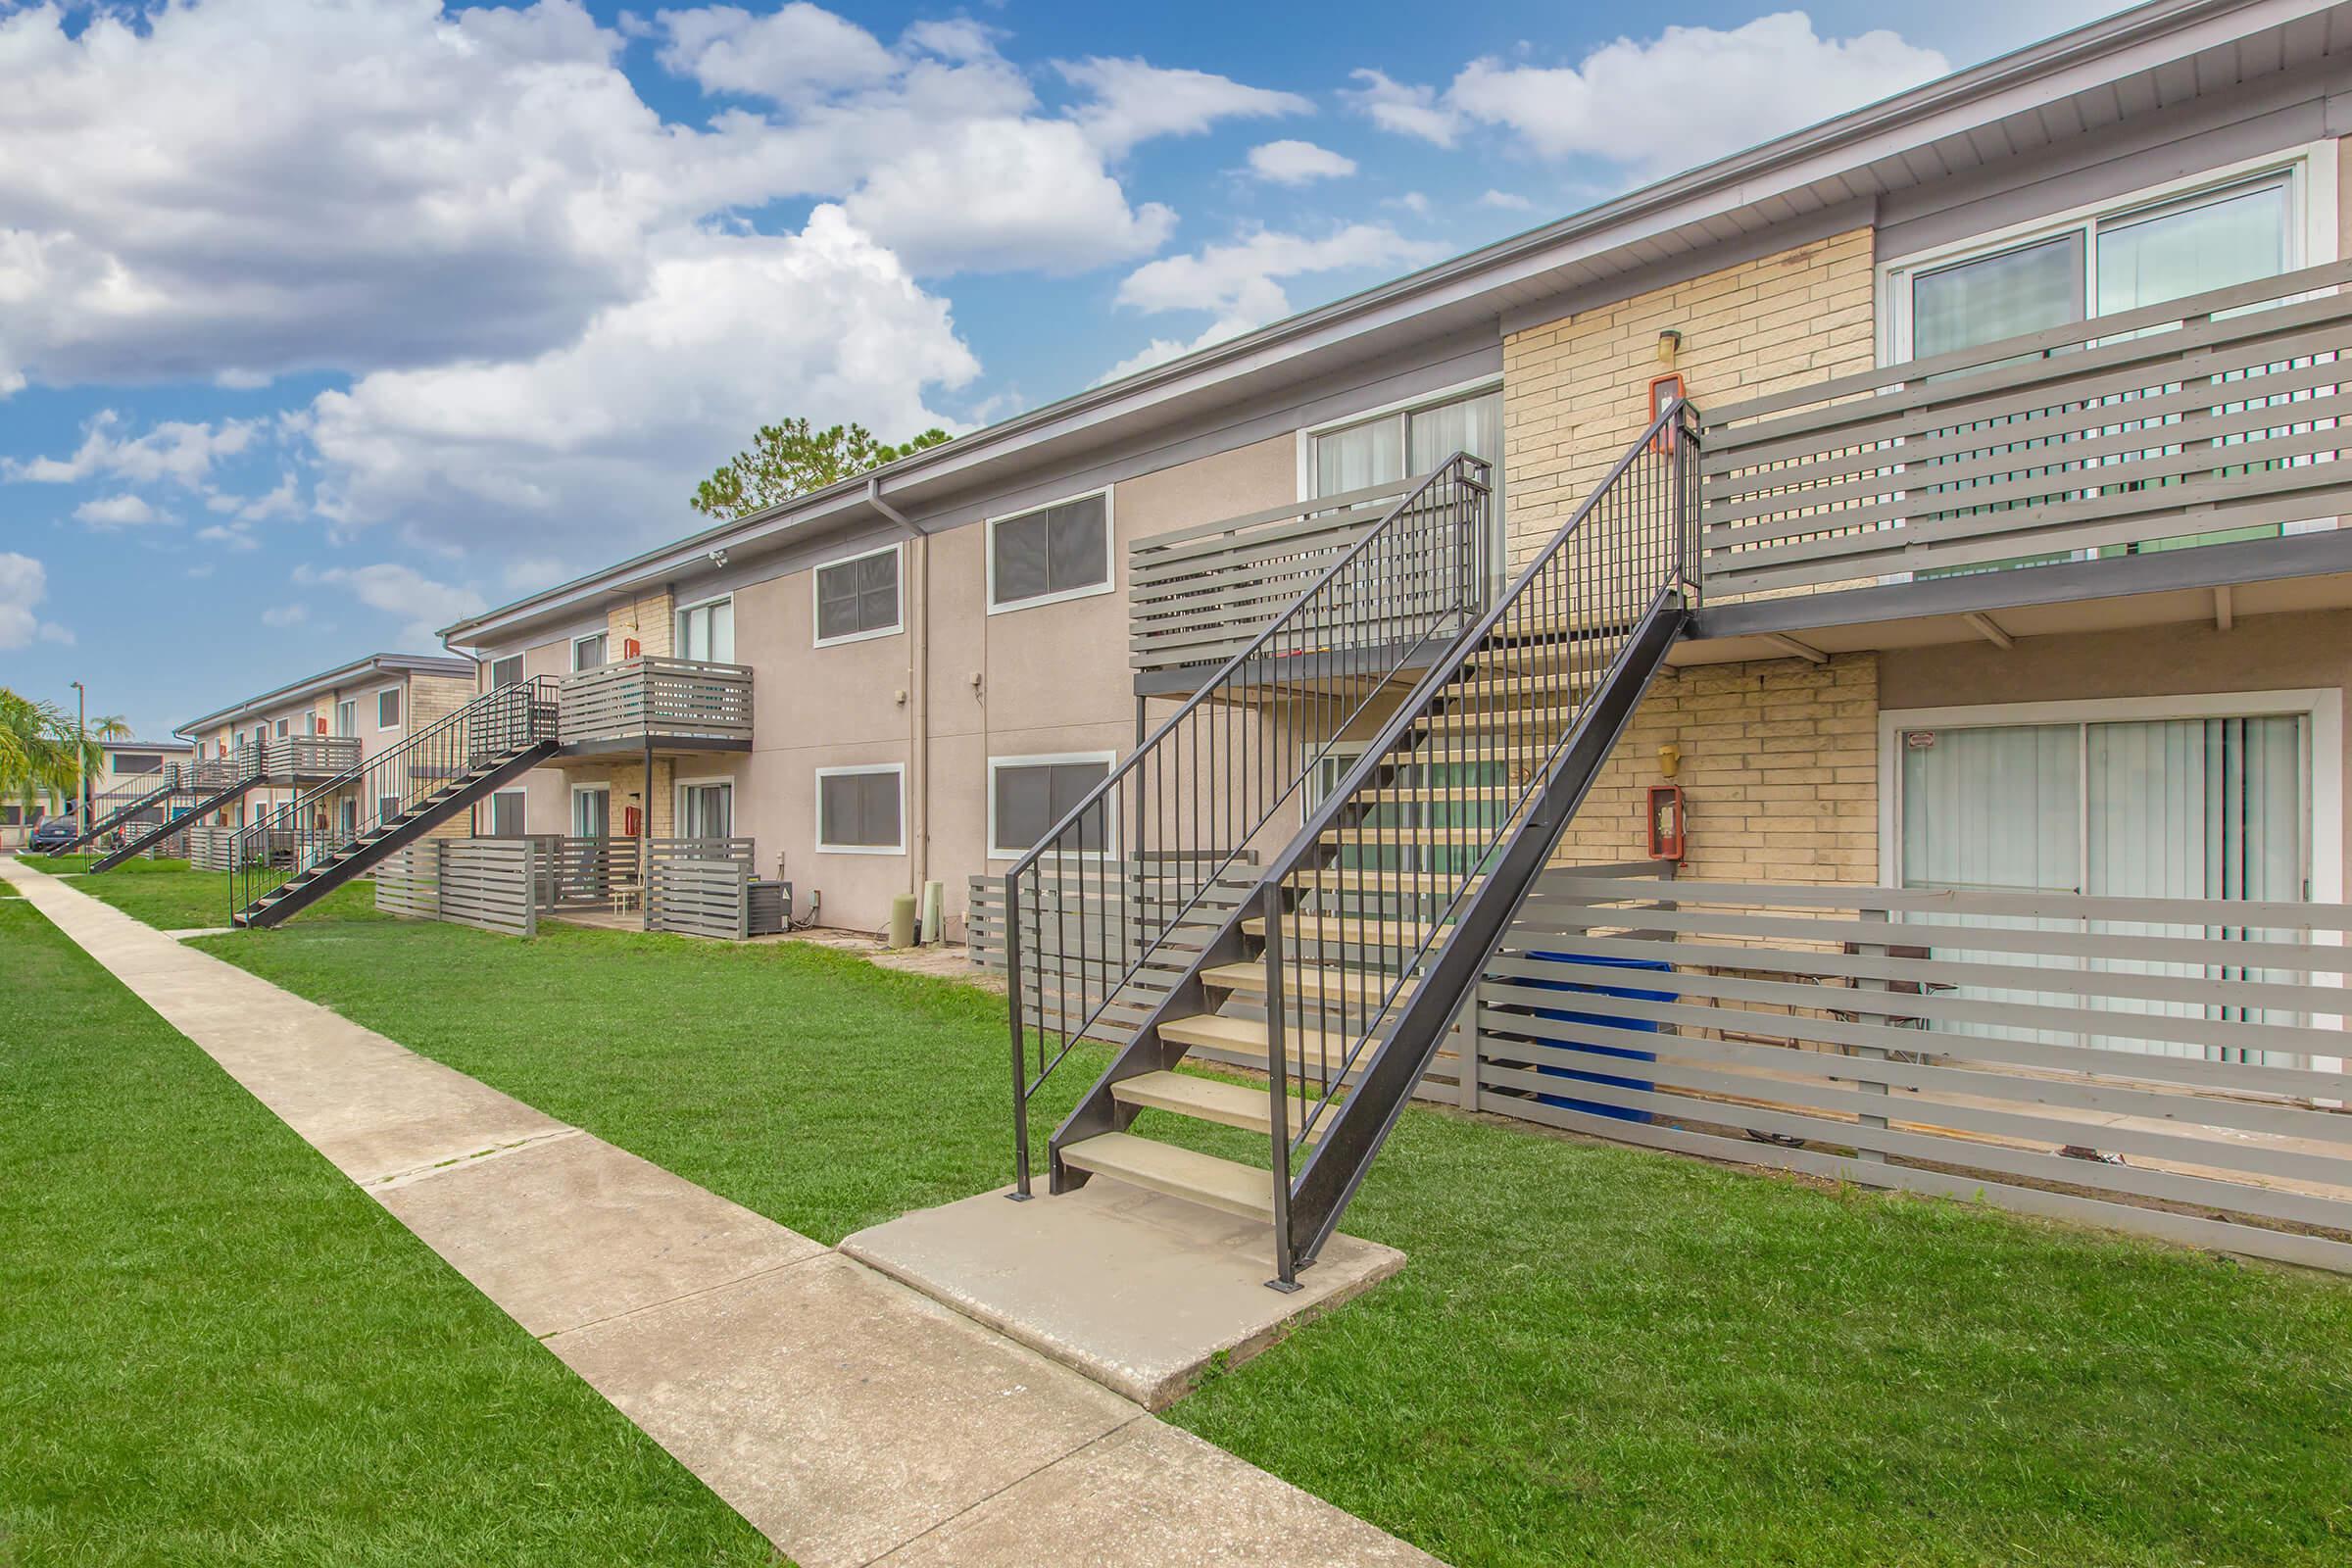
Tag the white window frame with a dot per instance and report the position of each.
(1477, 386)
(1001, 851)
(2310, 176)
(381, 801)
(394, 690)
(677, 624)
(898, 622)
(490, 671)
(1110, 559)
(351, 705)
(2320, 707)
(823, 773)
(579, 790)
(589, 637)
(677, 800)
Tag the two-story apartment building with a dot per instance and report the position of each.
(295, 738)
(129, 774)
(1941, 500)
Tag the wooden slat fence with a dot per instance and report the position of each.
(2176, 422)
(310, 756)
(703, 898)
(407, 881)
(1200, 595)
(2169, 1065)
(485, 883)
(208, 848)
(670, 699)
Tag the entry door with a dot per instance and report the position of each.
(705, 811)
(591, 814)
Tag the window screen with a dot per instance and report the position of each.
(588, 652)
(137, 762)
(856, 597)
(387, 707)
(505, 671)
(1054, 550)
(1030, 797)
(1995, 297)
(857, 810)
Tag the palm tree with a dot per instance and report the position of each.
(41, 753)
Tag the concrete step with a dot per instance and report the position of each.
(1205, 1179)
(1210, 1100)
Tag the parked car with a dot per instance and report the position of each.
(53, 832)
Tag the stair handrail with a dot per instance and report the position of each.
(280, 844)
(142, 794)
(1406, 592)
(1611, 584)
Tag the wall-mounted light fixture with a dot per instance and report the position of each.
(1670, 343)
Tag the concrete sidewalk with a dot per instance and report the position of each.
(848, 1417)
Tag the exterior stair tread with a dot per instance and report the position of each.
(1401, 833)
(1204, 1179)
(1326, 927)
(1216, 1031)
(1320, 979)
(1208, 1100)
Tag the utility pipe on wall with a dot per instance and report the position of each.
(918, 690)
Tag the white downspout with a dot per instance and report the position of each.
(918, 688)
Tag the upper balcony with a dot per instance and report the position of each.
(2192, 447)
(304, 758)
(660, 704)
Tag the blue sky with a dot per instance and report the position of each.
(324, 321)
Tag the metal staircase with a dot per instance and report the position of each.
(211, 785)
(156, 786)
(1346, 966)
(297, 855)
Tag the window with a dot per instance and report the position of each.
(1054, 553)
(858, 598)
(347, 818)
(347, 717)
(1028, 795)
(590, 810)
(706, 632)
(707, 809)
(507, 671)
(859, 809)
(588, 652)
(506, 814)
(387, 707)
(1408, 439)
(281, 729)
(387, 806)
(137, 762)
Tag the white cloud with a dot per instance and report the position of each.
(124, 510)
(24, 584)
(1132, 101)
(783, 55)
(284, 616)
(1507, 201)
(229, 536)
(1239, 282)
(1664, 104)
(1298, 163)
(1413, 201)
(1405, 108)
(619, 425)
(399, 590)
(179, 451)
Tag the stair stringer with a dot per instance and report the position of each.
(1361, 1124)
(154, 832)
(120, 813)
(269, 912)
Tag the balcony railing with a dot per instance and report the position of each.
(1201, 595)
(2207, 419)
(303, 756)
(674, 703)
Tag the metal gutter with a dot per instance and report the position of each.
(326, 680)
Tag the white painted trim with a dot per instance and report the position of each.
(677, 625)
(677, 801)
(2311, 171)
(402, 722)
(1474, 387)
(577, 790)
(898, 622)
(1110, 556)
(590, 636)
(1109, 759)
(2321, 706)
(818, 805)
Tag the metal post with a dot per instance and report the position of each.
(1013, 1006)
(81, 754)
(645, 839)
(1278, 1079)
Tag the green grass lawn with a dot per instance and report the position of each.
(216, 1350)
(1596, 1355)
(167, 895)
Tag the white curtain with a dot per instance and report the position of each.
(1370, 453)
(1473, 425)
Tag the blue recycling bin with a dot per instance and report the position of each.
(1601, 1020)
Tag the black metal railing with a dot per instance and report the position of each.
(1493, 747)
(380, 792)
(1104, 892)
(124, 801)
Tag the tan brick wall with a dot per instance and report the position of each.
(1779, 772)
(432, 698)
(1575, 391)
(651, 618)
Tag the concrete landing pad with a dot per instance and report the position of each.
(1137, 1291)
